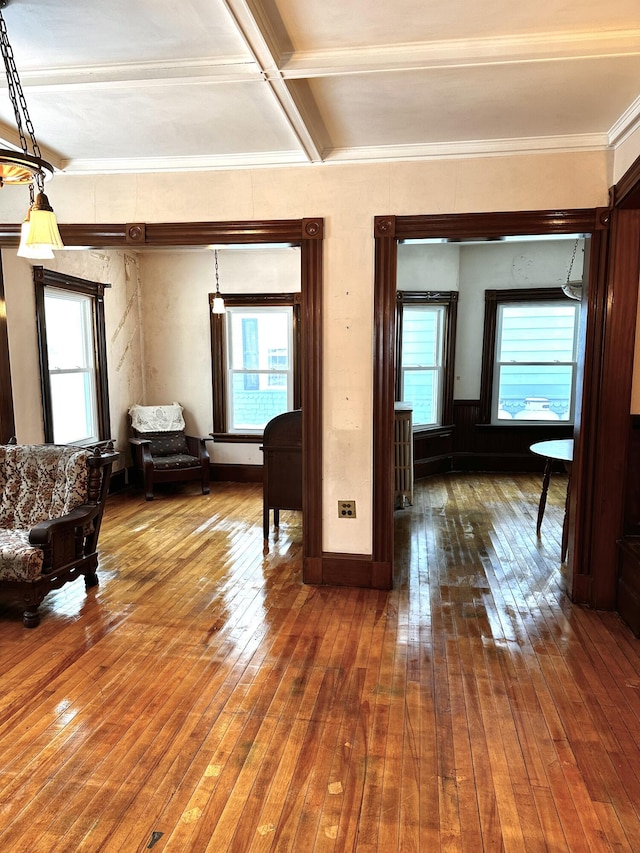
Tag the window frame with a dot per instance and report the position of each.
(493, 299)
(44, 278)
(449, 301)
(219, 358)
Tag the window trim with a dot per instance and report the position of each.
(448, 299)
(493, 298)
(218, 356)
(95, 290)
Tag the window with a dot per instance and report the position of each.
(425, 335)
(533, 355)
(255, 355)
(71, 336)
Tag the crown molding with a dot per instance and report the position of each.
(248, 160)
(628, 122)
(471, 148)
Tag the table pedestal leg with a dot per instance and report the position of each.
(565, 521)
(543, 495)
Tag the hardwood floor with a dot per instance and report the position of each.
(203, 699)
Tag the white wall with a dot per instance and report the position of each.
(123, 330)
(348, 197)
(177, 332)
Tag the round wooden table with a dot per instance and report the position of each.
(554, 450)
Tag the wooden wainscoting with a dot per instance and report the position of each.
(483, 447)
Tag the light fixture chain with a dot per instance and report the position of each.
(15, 92)
(573, 257)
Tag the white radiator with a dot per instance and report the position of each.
(403, 454)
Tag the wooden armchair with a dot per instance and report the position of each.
(162, 452)
(52, 500)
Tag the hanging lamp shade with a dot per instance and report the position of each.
(218, 302)
(43, 227)
(39, 232)
(36, 253)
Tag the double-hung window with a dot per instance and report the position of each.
(425, 330)
(255, 355)
(533, 355)
(71, 332)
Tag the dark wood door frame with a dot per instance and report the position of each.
(601, 430)
(7, 423)
(308, 234)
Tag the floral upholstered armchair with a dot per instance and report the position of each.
(162, 452)
(52, 500)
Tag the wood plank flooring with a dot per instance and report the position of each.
(203, 699)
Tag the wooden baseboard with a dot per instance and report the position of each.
(435, 465)
(220, 473)
(348, 570)
(119, 481)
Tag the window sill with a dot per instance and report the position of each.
(522, 425)
(237, 437)
(433, 432)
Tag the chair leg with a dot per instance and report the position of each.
(148, 483)
(31, 617)
(91, 580)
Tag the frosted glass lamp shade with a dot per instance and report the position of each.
(43, 228)
(218, 305)
(36, 253)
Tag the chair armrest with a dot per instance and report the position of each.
(141, 448)
(197, 447)
(42, 533)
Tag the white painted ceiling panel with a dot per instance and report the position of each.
(162, 121)
(54, 34)
(443, 105)
(208, 84)
(363, 23)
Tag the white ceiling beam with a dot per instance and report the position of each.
(263, 42)
(141, 74)
(10, 138)
(456, 53)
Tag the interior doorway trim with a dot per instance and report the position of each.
(307, 233)
(388, 231)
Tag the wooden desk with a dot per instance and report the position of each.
(282, 468)
(555, 450)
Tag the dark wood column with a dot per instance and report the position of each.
(7, 422)
(386, 258)
(312, 234)
(612, 408)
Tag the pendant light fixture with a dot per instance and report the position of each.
(573, 289)
(39, 233)
(218, 301)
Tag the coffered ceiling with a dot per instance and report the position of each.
(154, 85)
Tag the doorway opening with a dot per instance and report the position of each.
(402, 245)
